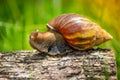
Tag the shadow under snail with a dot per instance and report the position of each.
(68, 31)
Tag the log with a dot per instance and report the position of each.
(95, 64)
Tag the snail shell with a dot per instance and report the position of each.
(68, 30)
(78, 31)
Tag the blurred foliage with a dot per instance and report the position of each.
(18, 18)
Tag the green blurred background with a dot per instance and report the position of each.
(18, 18)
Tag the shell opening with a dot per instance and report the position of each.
(51, 27)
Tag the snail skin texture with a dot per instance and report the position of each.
(68, 31)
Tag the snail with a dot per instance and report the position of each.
(68, 31)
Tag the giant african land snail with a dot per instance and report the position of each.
(68, 30)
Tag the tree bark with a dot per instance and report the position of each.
(96, 64)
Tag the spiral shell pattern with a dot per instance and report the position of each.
(78, 31)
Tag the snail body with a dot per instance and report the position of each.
(68, 31)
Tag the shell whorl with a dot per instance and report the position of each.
(79, 32)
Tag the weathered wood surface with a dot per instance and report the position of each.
(98, 64)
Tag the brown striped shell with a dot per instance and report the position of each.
(79, 32)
